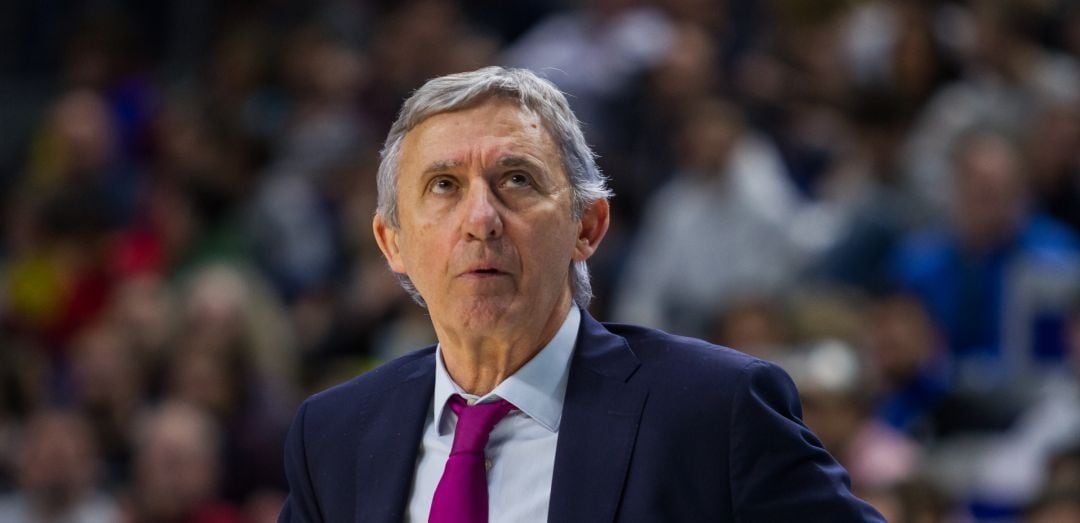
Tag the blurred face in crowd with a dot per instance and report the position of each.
(106, 374)
(82, 124)
(688, 71)
(201, 377)
(902, 338)
(486, 228)
(57, 462)
(707, 138)
(1052, 145)
(143, 308)
(833, 416)
(175, 464)
(989, 192)
(753, 325)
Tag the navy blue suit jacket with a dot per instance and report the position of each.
(655, 427)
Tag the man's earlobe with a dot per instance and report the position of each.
(386, 236)
(594, 225)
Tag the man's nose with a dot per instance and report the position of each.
(482, 218)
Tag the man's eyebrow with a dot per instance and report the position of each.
(442, 165)
(516, 161)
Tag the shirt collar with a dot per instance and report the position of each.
(537, 389)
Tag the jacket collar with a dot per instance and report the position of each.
(385, 468)
(601, 415)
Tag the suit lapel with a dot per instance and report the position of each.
(599, 425)
(388, 449)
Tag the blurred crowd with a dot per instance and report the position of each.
(883, 196)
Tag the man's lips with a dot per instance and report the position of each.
(484, 271)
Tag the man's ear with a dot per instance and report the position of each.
(387, 238)
(594, 225)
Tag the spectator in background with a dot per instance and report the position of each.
(891, 46)
(872, 210)
(1053, 145)
(79, 148)
(225, 308)
(908, 361)
(1006, 74)
(234, 361)
(143, 307)
(640, 149)
(192, 212)
(719, 213)
(294, 220)
(756, 326)
(109, 385)
(77, 191)
(176, 471)
(1036, 454)
(835, 406)
(960, 272)
(684, 74)
(58, 474)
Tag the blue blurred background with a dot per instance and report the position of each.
(881, 195)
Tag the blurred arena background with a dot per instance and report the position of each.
(881, 195)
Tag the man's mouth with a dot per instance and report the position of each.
(485, 272)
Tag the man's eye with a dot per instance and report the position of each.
(442, 186)
(517, 179)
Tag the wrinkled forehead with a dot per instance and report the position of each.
(498, 126)
(490, 100)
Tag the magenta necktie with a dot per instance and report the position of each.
(462, 495)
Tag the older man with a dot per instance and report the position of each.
(490, 203)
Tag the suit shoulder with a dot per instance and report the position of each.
(386, 376)
(656, 347)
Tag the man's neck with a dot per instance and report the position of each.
(479, 363)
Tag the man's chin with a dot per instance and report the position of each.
(483, 310)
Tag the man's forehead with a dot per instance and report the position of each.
(506, 160)
(488, 102)
(504, 109)
(508, 131)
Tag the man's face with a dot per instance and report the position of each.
(484, 207)
(989, 203)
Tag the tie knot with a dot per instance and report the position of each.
(475, 422)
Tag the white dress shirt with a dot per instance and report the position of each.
(521, 450)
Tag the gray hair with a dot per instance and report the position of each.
(461, 91)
